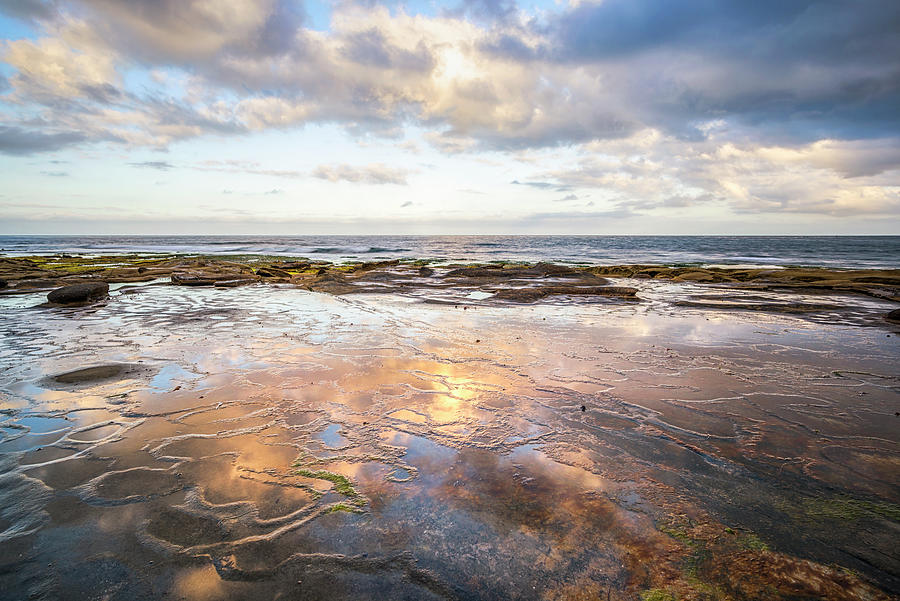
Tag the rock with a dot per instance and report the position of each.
(3, 284)
(38, 283)
(528, 295)
(233, 283)
(370, 265)
(694, 276)
(272, 272)
(295, 265)
(79, 293)
(193, 279)
(893, 316)
(499, 271)
(98, 372)
(426, 272)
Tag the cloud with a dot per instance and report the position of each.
(556, 186)
(18, 141)
(29, 9)
(251, 167)
(651, 171)
(754, 107)
(369, 174)
(568, 216)
(159, 165)
(55, 173)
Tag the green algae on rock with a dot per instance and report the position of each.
(342, 484)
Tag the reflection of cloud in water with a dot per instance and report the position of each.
(473, 456)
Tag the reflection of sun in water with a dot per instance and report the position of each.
(462, 388)
(444, 408)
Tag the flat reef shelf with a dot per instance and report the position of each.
(260, 428)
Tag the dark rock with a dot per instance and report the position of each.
(893, 316)
(426, 272)
(295, 265)
(79, 293)
(3, 284)
(233, 283)
(539, 270)
(370, 265)
(142, 269)
(193, 279)
(528, 295)
(207, 279)
(98, 372)
(751, 305)
(272, 272)
(38, 283)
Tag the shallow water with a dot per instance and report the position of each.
(277, 442)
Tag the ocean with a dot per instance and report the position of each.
(871, 252)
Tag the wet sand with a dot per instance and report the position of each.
(292, 440)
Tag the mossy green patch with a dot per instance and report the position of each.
(847, 509)
(342, 507)
(658, 594)
(677, 531)
(752, 542)
(840, 509)
(342, 484)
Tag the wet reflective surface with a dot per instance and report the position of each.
(269, 442)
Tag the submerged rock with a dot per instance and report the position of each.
(79, 293)
(893, 316)
(426, 272)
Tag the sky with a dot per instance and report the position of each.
(467, 117)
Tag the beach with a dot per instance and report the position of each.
(258, 426)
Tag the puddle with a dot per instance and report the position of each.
(331, 438)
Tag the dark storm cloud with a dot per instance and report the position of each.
(18, 141)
